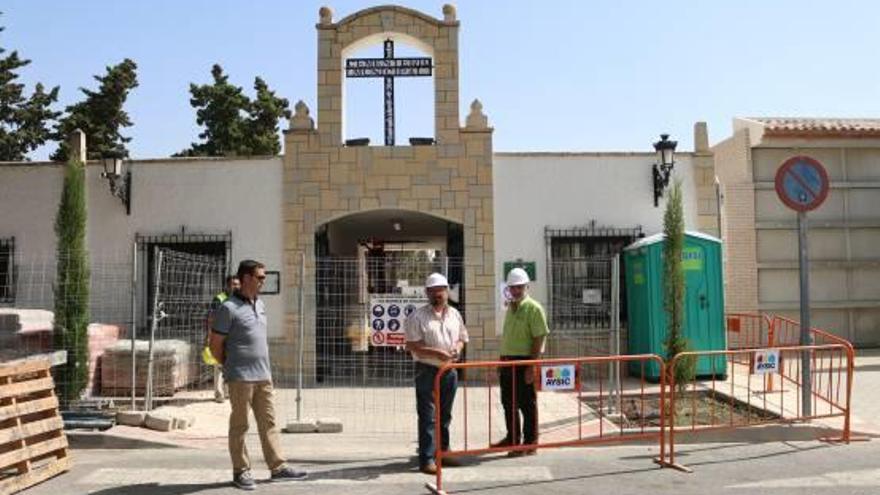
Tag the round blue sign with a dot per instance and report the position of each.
(378, 311)
(393, 325)
(409, 309)
(802, 183)
(394, 311)
(378, 325)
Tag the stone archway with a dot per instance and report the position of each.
(369, 256)
(324, 180)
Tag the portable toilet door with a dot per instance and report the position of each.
(703, 305)
(704, 301)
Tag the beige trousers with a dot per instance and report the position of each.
(258, 396)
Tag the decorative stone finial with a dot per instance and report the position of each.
(76, 143)
(477, 119)
(449, 12)
(326, 15)
(301, 119)
(701, 137)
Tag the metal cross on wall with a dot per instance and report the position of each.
(388, 68)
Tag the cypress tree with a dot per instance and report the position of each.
(72, 285)
(673, 287)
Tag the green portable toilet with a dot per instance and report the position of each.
(703, 304)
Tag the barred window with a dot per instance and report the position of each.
(7, 270)
(580, 272)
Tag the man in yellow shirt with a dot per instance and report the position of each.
(525, 328)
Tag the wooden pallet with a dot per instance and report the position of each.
(33, 446)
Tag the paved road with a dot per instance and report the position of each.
(347, 463)
(785, 467)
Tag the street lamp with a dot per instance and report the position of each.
(120, 183)
(662, 169)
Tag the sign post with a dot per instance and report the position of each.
(802, 184)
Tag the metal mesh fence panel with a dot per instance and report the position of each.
(350, 313)
(354, 365)
(28, 325)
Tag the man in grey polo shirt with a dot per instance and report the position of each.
(435, 334)
(239, 340)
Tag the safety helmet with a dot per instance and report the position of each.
(517, 276)
(436, 280)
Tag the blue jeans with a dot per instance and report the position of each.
(425, 375)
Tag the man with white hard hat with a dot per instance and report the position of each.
(525, 328)
(435, 335)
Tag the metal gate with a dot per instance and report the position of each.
(346, 289)
(184, 285)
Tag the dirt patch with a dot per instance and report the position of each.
(700, 408)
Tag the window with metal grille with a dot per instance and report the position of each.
(580, 274)
(7, 270)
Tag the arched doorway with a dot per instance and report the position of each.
(366, 264)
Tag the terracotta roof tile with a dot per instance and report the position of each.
(819, 127)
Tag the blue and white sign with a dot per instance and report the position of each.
(802, 183)
(766, 362)
(387, 316)
(394, 311)
(558, 377)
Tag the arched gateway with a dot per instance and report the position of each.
(369, 222)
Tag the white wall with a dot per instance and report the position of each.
(207, 196)
(29, 196)
(536, 190)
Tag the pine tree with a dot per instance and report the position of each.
(101, 114)
(265, 111)
(220, 108)
(72, 286)
(233, 124)
(673, 287)
(24, 121)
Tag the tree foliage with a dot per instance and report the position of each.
(674, 286)
(25, 121)
(233, 124)
(101, 115)
(72, 286)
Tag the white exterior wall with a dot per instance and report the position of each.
(29, 196)
(535, 190)
(532, 191)
(206, 196)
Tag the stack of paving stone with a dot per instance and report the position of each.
(161, 419)
(174, 367)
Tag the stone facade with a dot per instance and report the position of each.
(733, 166)
(704, 176)
(325, 180)
(760, 232)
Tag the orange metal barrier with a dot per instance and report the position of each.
(746, 398)
(749, 331)
(639, 413)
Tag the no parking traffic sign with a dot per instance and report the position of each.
(802, 183)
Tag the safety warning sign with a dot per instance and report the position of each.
(387, 315)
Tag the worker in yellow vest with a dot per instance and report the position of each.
(232, 284)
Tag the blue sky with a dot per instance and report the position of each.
(553, 76)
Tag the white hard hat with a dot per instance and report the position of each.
(436, 280)
(517, 276)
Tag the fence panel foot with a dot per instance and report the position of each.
(673, 465)
(433, 489)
